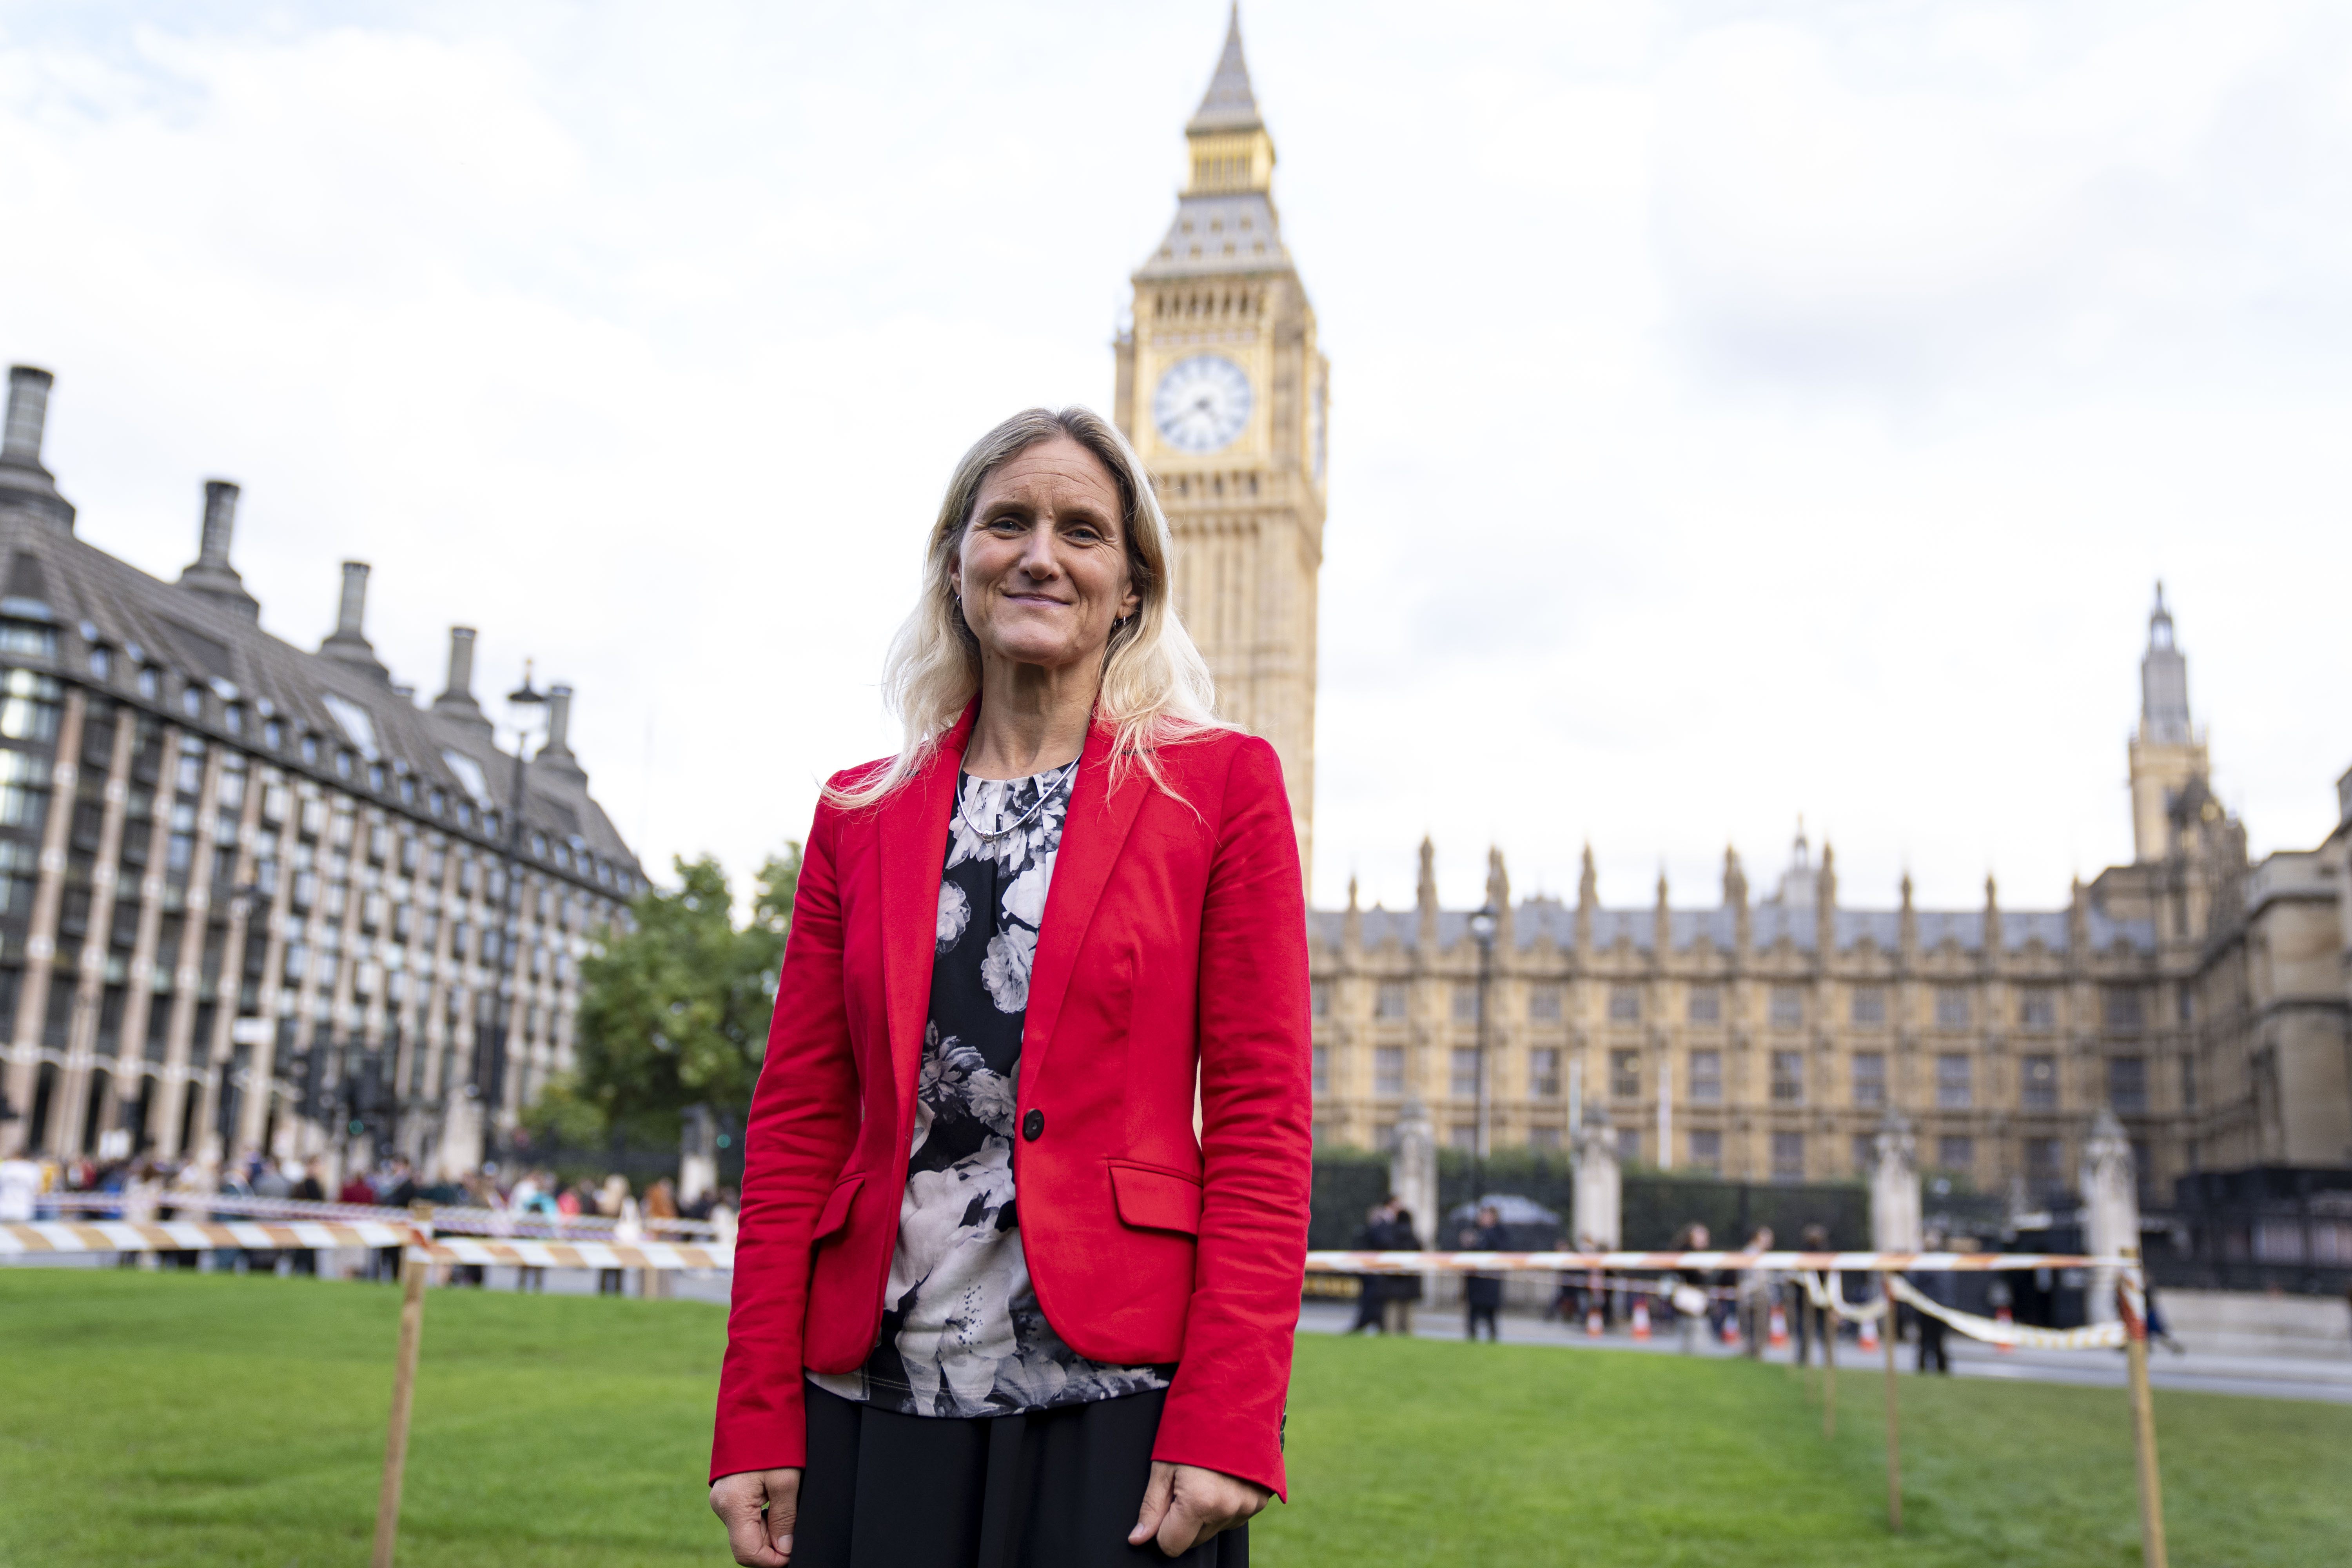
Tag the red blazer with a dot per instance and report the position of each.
(1174, 944)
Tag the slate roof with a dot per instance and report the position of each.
(1215, 240)
(92, 598)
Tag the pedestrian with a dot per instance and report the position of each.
(1119, 1356)
(308, 1189)
(1401, 1290)
(1482, 1294)
(1373, 1292)
(1757, 1288)
(1935, 1284)
(1683, 1289)
(1799, 1295)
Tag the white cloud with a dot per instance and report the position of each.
(1735, 414)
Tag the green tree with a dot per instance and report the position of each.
(674, 1010)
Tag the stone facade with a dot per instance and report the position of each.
(2204, 1002)
(239, 880)
(1223, 389)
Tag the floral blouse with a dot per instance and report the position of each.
(961, 1331)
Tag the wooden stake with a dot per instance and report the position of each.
(1894, 1436)
(1829, 1372)
(2151, 1486)
(404, 1392)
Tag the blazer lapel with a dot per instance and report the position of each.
(913, 829)
(1092, 835)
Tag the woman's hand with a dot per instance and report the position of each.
(1184, 1505)
(758, 1508)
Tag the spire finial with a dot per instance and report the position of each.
(1229, 104)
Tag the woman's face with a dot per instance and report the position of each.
(1041, 571)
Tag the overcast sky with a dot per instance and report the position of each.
(1740, 410)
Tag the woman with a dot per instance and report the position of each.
(1057, 944)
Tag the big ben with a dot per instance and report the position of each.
(1225, 395)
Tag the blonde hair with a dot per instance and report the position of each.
(1156, 690)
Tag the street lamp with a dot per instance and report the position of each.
(526, 704)
(1482, 928)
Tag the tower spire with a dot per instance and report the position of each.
(1229, 104)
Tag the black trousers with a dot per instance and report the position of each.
(1052, 1488)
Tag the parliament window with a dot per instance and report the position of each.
(1951, 1007)
(1463, 1080)
(1624, 1004)
(1629, 1145)
(2037, 1083)
(1788, 1156)
(1865, 1152)
(1462, 1135)
(1543, 1072)
(1955, 1154)
(2045, 1160)
(1869, 1078)
(1707, 1078)
(2127, 1084)
(1705, 1005)
(1543, 1003)
(1788, 1078)
(1321, 993)
(1788, 1007)
(1955, 1082)
(1322, 1069)
(2037, 1007)
(1625, 1075)
(1388, 1002)
(1465, 1002)
(1387, 1070)
(1707, 1151)
(2123, 1008)
(1545, 1140)
(1870, 1005)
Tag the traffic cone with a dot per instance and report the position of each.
(1593, 1321)
(1640, 1319)
(1870, 1333)
(1780, 1341)
(2001, 1315)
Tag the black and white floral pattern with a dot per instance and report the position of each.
(962, 1332)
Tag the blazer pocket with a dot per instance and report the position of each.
(835, 1213)
(1153, 1199)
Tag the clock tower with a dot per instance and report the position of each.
(1225, 395)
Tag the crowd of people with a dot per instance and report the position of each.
(147, 1190)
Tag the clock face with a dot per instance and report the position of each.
(1202, 403)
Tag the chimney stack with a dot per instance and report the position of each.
(556, 755)
(211, 575)
(23, 481)
(457, 699)
(349, 645)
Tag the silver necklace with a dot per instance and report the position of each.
(1048, 793)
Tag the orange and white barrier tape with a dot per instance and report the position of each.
(2094, 1337)
(1551, 1262)
(573, 1254)
(58, 1236)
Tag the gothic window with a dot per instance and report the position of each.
(1951, 1007)
(1707, 1078)
(1865, 1152)
(1322, 997)
(1788, 1078)
(2045, 1160)
(1465, 1002)
(1543, 1072)
(1387, 1070)
(1957, 1154)
(1707, 1151)
(1322, 1069)
(2037, 1007)
(1629, 1145)
(1625, 1075)
(1955, 1085)
(1463, 1079)
(2127, 1084)
(1869, 1078)
(1705, 1005)
(2038, 1083)
(1544, 1139)
(1624, 1004)
(1543, 1003)
(1788, 1156)
(1870, 1005)
(2123, 1008)
(1388, 1002)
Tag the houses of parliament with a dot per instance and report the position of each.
(1756, 1033)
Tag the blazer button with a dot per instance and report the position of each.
(1033, 1126)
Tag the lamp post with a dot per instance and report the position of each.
(1482, 927)
(526, 704)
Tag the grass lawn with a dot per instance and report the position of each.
(204, 1420)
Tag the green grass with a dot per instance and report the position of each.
(217, 1420)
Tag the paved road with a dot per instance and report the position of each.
(2273, 1377)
